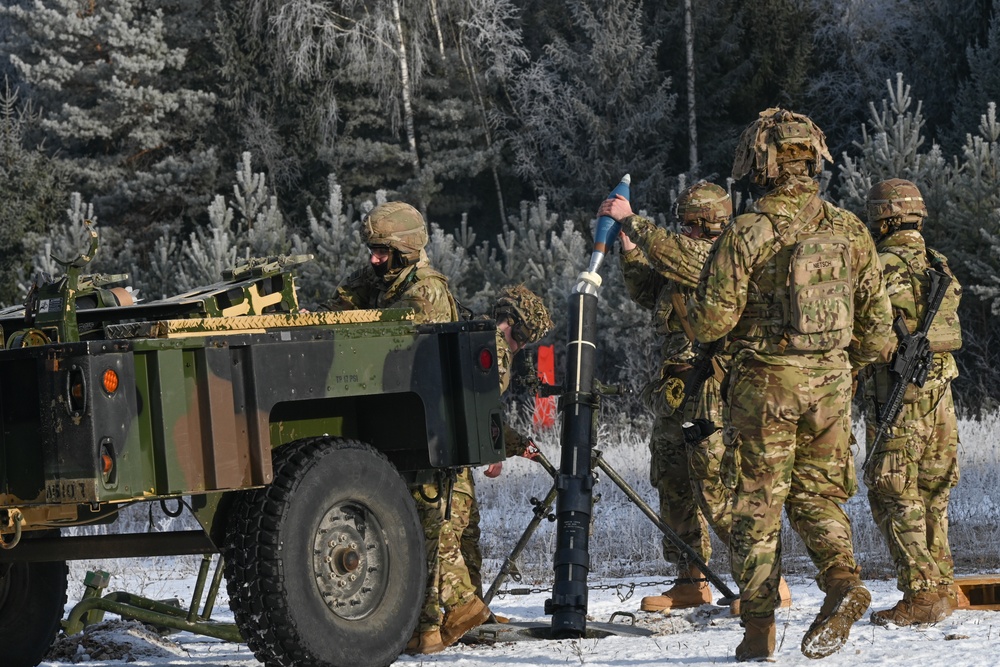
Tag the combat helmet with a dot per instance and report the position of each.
(399, 227)
(526, 312)
(706, 205)
(894, 204)
(775, 142)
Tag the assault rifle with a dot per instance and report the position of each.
(697, 430)
(911, 362)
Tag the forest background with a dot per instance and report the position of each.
(196, 133)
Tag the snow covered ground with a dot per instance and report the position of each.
(625, 554)
(704, 636)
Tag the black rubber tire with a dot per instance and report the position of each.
(32, 601)
(336, 509)
(238, 551)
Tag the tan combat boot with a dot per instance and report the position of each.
(758, 639)
(425, 642)
(692, 591)
(463, 618)
(784, 598)
(915, 609)
(846, 601)
(949, 591)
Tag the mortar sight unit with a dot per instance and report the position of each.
(291, 438)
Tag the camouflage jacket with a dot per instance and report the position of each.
(741, 274)
(652, 290)
(904, 259)
(418, 287)
(674, 256)
(514, 442)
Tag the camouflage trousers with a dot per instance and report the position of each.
(792, 430)
(448, 584)
(688, 482)
(909, 483)
(472, 553)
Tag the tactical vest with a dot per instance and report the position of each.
(945, 334)
(801, 294)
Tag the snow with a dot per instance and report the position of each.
(704, 636)
(625, 554)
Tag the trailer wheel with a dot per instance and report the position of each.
(32, 601)
(331, 569)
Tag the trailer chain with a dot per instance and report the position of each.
(623, 591)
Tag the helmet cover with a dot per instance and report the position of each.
(776, 138)
(398, 226)
(529, 319)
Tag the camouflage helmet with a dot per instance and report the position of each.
(529, 319)
(777, 138)
(893, 203)
(705, 204)
(398, 226)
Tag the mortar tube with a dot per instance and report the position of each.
(574, 483)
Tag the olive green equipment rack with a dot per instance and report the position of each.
(91, 608)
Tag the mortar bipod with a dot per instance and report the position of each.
(542, 509)
(91, 608)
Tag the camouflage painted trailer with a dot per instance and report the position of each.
(290, 435)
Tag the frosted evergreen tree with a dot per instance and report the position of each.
(893, 145)
(31, 193)
(209, 250)
(387, 95)
(858, 46)
(973, 221)
(593, 109)
(962, 197)
(983, 84)
(250, 225)
(119, 110)
(334, 239)
(67, 238)
(974, 205)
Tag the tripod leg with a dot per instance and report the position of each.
(541, 510)
(667, 531)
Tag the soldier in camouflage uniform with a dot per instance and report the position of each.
(522, 320)
(661, 270)
(911, 474)
(797, 286)
(686, 476)
(399, 276)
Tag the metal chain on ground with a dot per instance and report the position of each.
(618, 588)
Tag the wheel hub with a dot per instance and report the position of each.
(350, 560)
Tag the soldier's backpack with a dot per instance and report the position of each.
(945, 334)
(819, 315)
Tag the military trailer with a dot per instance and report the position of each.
(291, 436)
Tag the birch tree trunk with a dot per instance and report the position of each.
(692, 113)
(404, 77)
(436, 20)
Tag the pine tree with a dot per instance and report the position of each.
(962, 197)
(31, 194)
(893, 145)
(387, 95)
(118, 113)
(592, 109)
(983, 84)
